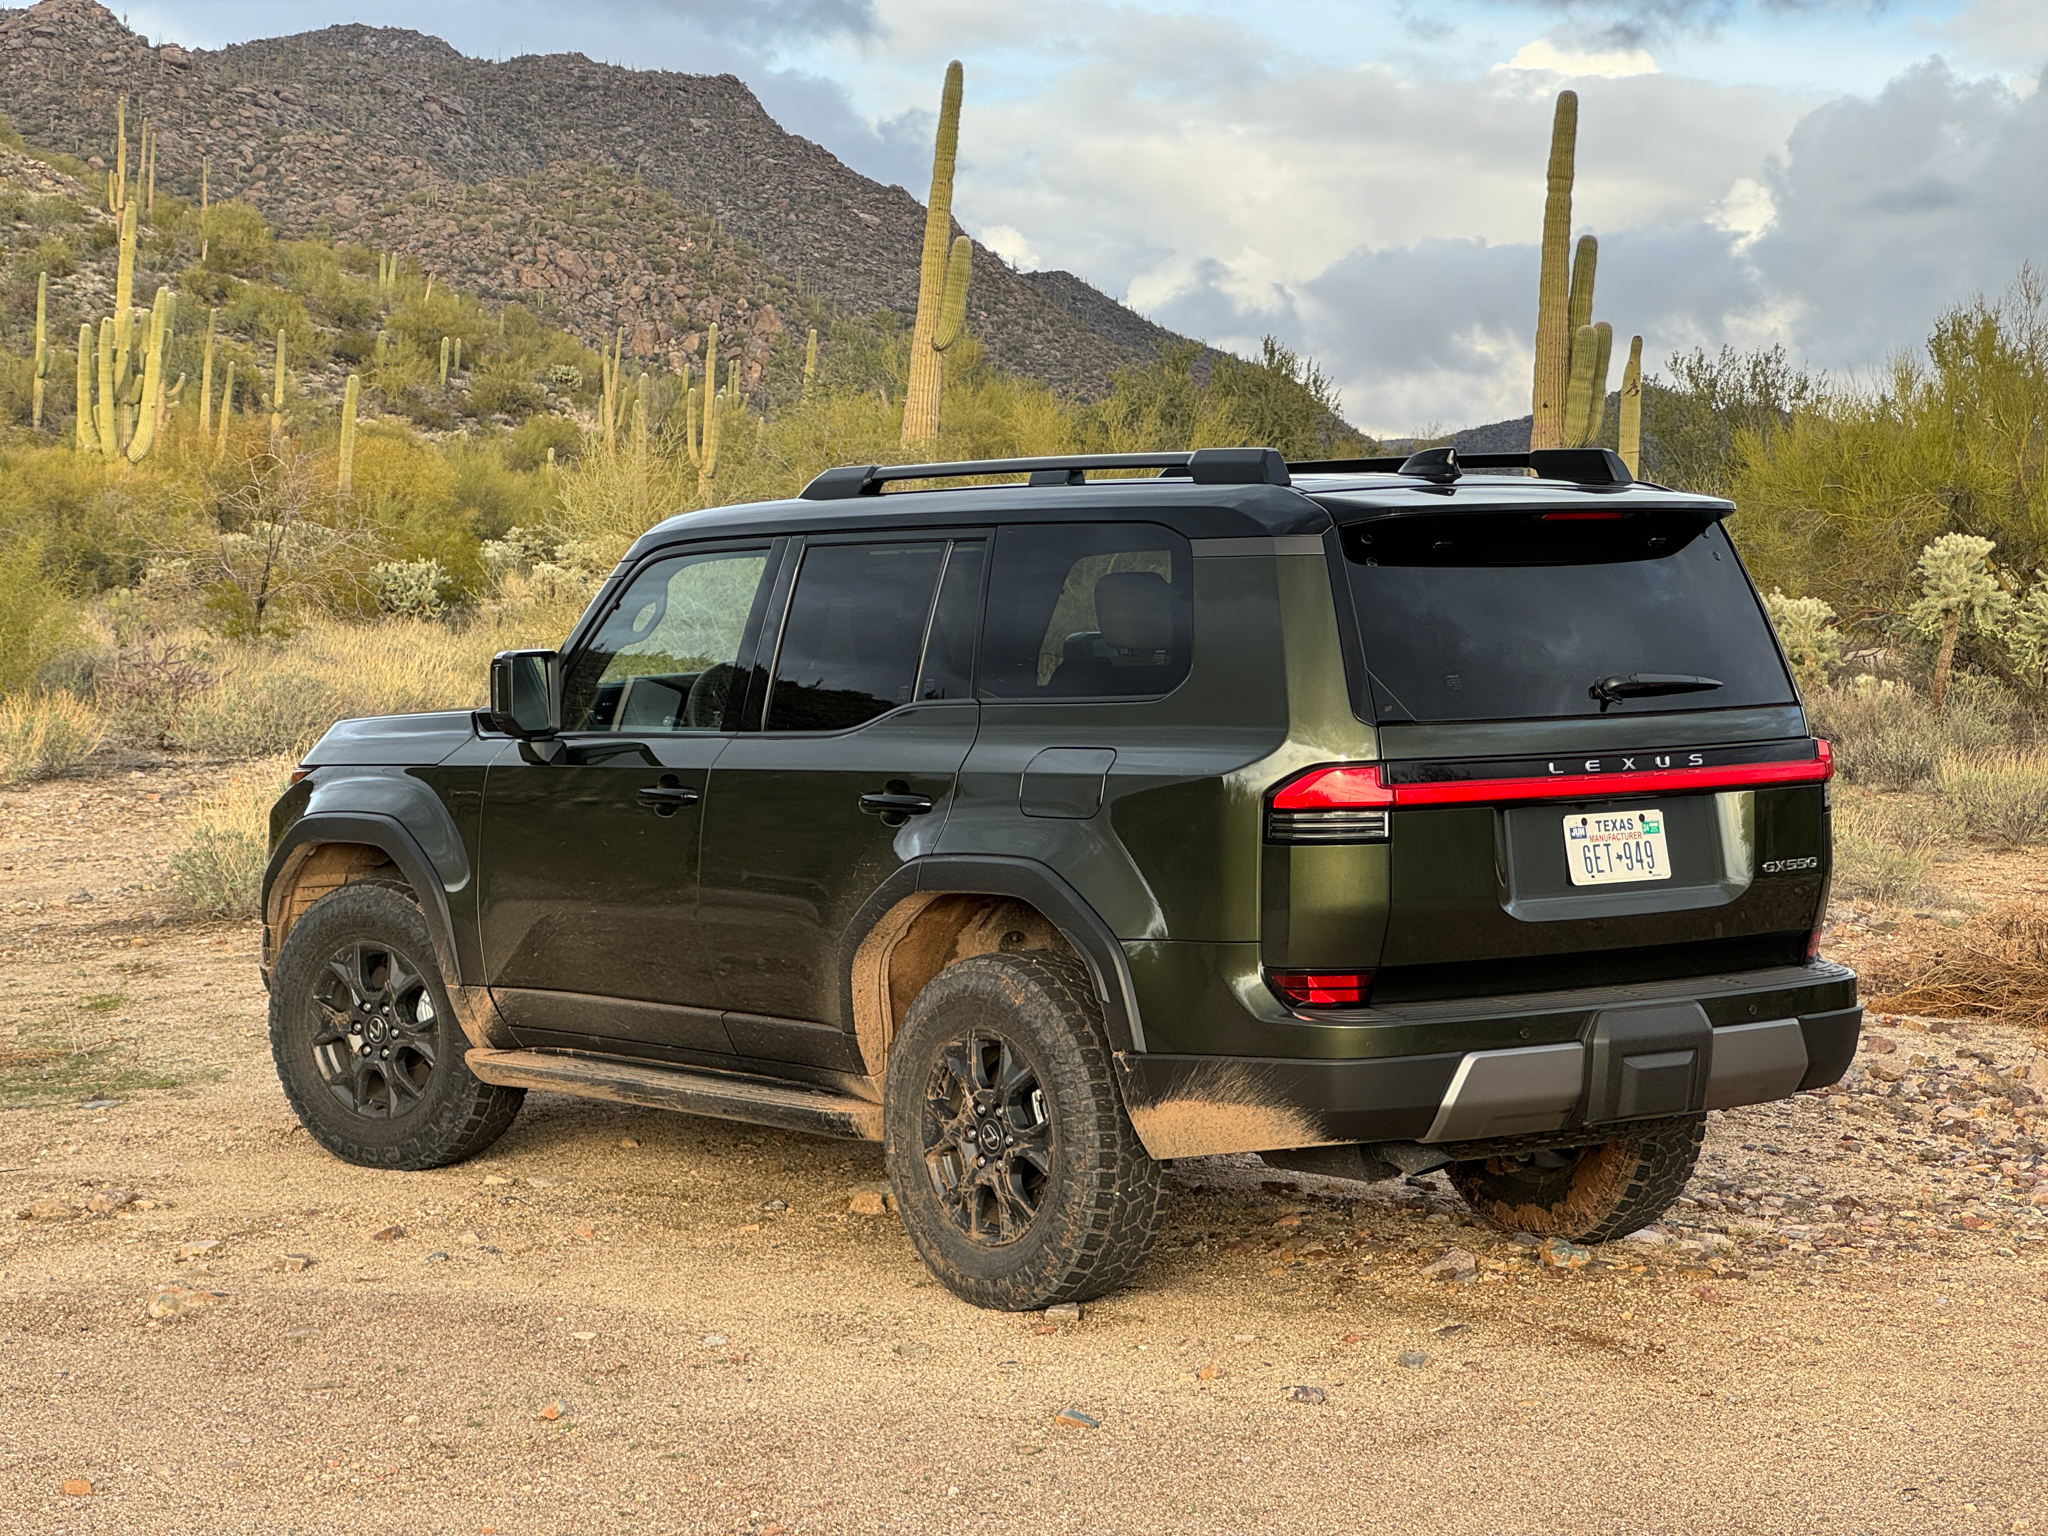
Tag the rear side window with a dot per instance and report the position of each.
(1087, 611)
(1515, 616)
(855, 632)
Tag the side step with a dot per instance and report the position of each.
(810, 1110)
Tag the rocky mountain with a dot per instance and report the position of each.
(601, 196)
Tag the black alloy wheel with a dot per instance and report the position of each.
(375, 1030)
(988, 1144)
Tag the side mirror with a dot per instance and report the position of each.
(524, 693)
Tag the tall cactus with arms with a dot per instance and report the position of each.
(942, 279)
(1554, 282)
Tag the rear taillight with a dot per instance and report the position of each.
(1344, 804)
(1321, 989)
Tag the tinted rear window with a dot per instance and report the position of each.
(1483, 616)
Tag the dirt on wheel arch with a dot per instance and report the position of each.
(624, 1321)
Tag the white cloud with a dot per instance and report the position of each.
(1011, 245)
(1612, 64)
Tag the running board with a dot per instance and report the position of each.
(814, 1111)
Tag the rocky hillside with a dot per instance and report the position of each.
(593, 193)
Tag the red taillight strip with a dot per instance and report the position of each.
(1359, 784)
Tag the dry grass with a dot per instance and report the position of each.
(1994, 967)
(42, 735)
(1999, 797)
(279, 696)
(218, 871)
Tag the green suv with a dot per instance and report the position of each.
(1376, 816)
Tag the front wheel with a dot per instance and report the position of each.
(1014, 1166)
(367, 1047)
(1586, 1194)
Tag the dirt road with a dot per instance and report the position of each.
(625, 1321)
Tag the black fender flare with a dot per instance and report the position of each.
(389, 836)
(1024, 880)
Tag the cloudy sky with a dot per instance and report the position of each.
(1364, 178)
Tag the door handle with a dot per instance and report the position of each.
(895, 805)
(668, 798)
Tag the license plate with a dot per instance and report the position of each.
(1613, 847)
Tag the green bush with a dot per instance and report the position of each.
(218, 872)
(1882, 847)
(37, 623)
(262, 714)
(2000, 796)
(44, 735)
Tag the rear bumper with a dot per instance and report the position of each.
(1637, 1053)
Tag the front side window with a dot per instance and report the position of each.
(664, 659)
(1087, 610)
(855, 632)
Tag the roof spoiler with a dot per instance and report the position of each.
(1582, 466)
(1204, 466)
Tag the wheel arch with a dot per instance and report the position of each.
(947, 907)
(320, 853)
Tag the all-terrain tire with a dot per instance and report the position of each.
(1004, 1057)
(376, 1078)
(1600, 1193)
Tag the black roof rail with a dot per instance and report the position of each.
(1584, 466)
(1205, 466)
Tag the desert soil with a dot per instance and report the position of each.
(619, 1320)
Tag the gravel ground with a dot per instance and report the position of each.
(625, 1321)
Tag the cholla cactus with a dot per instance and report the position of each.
(1958, 590)
(2026, 634)
(415, 588)
(1806, 628)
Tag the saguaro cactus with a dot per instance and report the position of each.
(206, 379)
(227, 406)
(124, 293)
(150, 406)
(1586, 397)
(1632, 408)
(640, 448)
(345, 478)
(88, 437)
(42, 362)
(707, 451)
(608, 371)
(1554, 280)
(942, 278)
(277, 395)
(446, 344)
(811, 360)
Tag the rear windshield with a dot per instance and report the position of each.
(1518, 616)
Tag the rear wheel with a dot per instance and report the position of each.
(366, 1044)
(1014, 1166)
(1586, 1194)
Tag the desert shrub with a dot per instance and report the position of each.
(498, 395)
(1882, 847)
(239, 241)
(218, 870)
(42, 735)
(527, 449)
(414, 588)
(2000, 796)
(37, 623)
(1884, 735)
(259, 712)
(1996, 968)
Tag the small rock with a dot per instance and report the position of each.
(81, 898)
(866, 1202)
(1559, 1254)
(1412, 1359)
(437, 1257)
(496, 1179)
(387, 1234)
(1457, 1264)
(774, 1205)
(551, 1412)
(1209, 1373)
(713, 1340)
(78, 1487)
(1064, 1312)
(293, 1263)
(626, 1143)
(181, 1301)
(588, 1234)
(300, 1334)
(50, 1208)
(1288, 1223)
(1074, 1418)
(1305, 1394)
(1878, 1045)
(204, 1249)
(470, 1240)
(584, 1338)
(1649, 1237)
(1453, 1330)
(104, 1202)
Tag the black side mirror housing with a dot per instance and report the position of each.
(525, 694)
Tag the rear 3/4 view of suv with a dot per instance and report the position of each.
(1374, 816)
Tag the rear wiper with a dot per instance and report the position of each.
(1646, 685)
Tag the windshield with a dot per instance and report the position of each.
(1519, 616)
